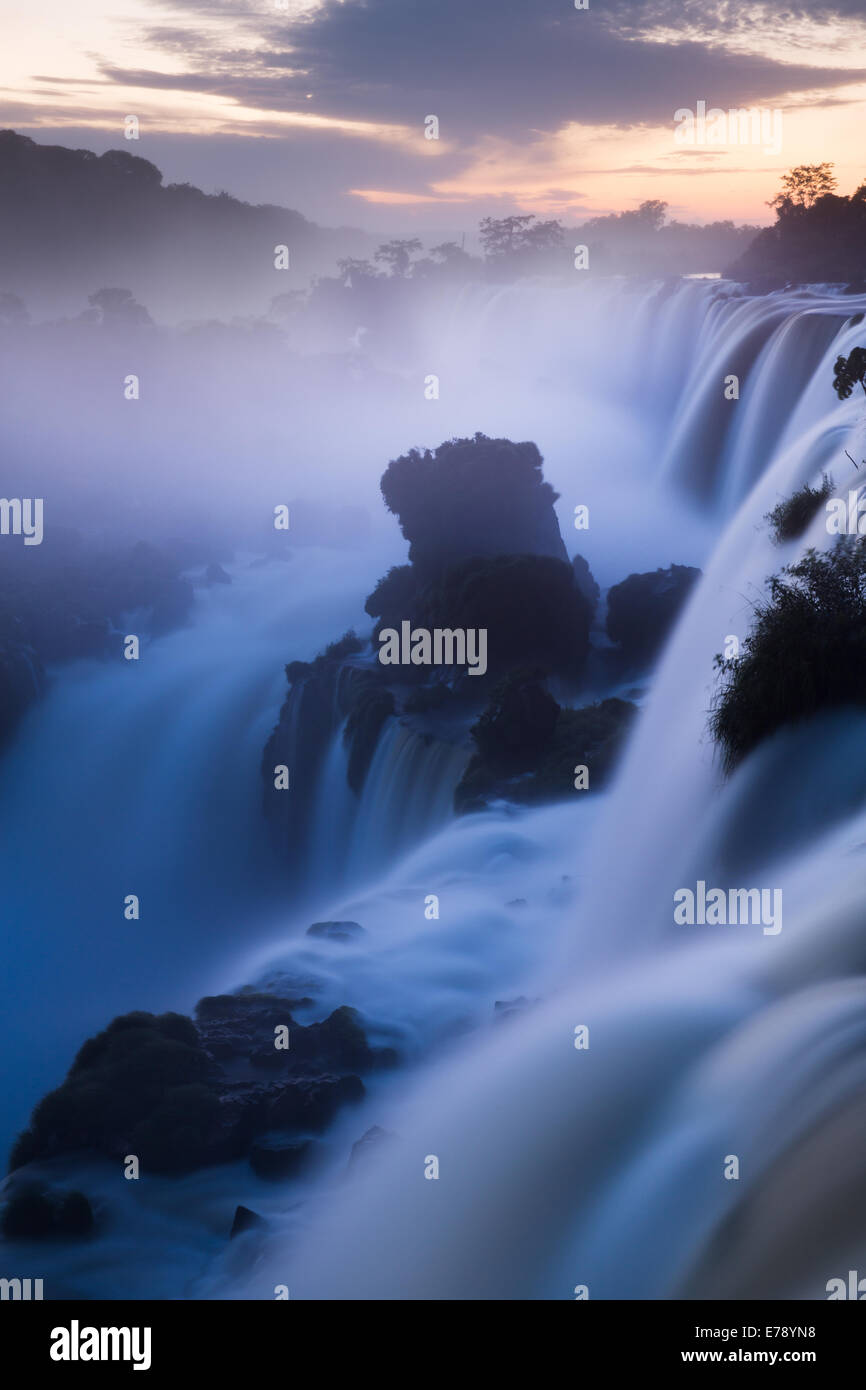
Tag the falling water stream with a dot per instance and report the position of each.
(558, 1167)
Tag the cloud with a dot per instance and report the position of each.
(504, 67)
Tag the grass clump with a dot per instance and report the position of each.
(790, 518)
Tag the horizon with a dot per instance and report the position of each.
(322, 106)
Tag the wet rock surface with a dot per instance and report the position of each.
(242, 1080)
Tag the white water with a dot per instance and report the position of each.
(561, 1167)
(605, 1168)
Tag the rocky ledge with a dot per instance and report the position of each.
(243, 1079)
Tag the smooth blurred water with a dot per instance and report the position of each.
(143, 777)
(558, 1167)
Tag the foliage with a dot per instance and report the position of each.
(803, 186)
(806, 651)
(790, 517)
(849, 372)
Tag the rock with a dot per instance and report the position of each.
(509, 1008)
(74, 1214)
(311, 1103)
(531, 607)
(472, 497)
(320, 698)
(279, 1155)
(181, 1095)
(519, 721)
(215, 574)
(642, 610)
(35, 1210)
(22, 682)
(540, 766)
(369, 1144)
(336, 931)
(246, 1220)
(585, 582)
(28, 1213)
(371, 708)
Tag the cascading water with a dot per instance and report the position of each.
(605, 1169)
(562, 1167)
(143, 778)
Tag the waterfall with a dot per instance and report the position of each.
(143, 778)
(559, 1166)
(408, 793)
(604, 1168)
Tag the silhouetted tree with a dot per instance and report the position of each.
(850, 371)
(397, 255)
(818, 235)
(803, 186)
(502, 236)
(13, 311)
(351, 271)
(119, 307)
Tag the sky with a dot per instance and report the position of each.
(321, 105)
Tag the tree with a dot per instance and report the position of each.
(803, 186)
(501, 236)
(850, 371)
(544, 236)
(396, 255)
(449, 253)
(653, 212)
(511, 236)
(119, 307)
(13, 310)
(351, 270)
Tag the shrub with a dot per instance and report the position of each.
(805, 653)
(790, 517)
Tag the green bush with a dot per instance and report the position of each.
(805, 653)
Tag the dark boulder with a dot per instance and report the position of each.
(371, 708)
(509, 1008)
(35, 1210)
(527, 747)
(530, 606)
(519, 722)
(585, 582)
(180, 1094)
(370, 1144)
(472, 497)
(215, 574)
(336, 931)
(642, 610)
(22, 681)
(246, 1220)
